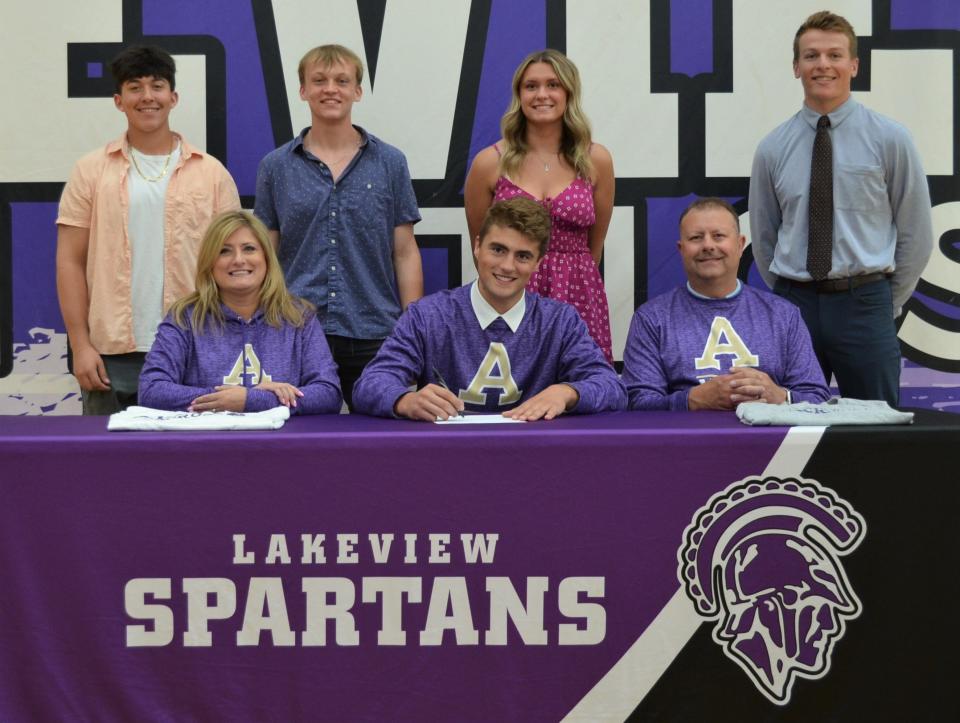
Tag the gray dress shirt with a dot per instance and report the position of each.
(880, 196)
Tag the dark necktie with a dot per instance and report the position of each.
(820, 242)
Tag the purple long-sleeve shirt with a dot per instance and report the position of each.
(441, 333)
(679, 340)
(183, 365)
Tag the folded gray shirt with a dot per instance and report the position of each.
(835, 411)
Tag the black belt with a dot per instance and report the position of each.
(833, 286)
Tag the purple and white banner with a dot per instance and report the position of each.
(646, 566)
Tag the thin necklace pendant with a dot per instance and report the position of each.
(337, 161)
(345, 157)
(546, 164)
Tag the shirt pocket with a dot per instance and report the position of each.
(367, 207)
(859, 188)
(189, 212)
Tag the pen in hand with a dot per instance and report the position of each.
(443, 383)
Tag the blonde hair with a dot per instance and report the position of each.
(278, 304)
(575, 140)
(327, 55)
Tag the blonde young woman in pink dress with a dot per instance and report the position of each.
(546, 154)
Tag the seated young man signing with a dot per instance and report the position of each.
(714, 342)
(491, 346)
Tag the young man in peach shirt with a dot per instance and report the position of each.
(131, 218)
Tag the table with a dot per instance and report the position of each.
(161, 576)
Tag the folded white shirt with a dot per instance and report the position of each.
(156, 420)
(838, 410)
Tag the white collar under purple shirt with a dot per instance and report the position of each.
(486, 314)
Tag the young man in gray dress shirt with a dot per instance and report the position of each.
(880, 205)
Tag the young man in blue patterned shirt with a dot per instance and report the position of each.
(340, 208)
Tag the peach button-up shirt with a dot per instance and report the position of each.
(96, 198)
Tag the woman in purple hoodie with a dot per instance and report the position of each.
(241, 342)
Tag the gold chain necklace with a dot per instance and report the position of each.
(163, 171)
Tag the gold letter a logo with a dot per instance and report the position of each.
(723, 339)
(247, 359)
(496, 358)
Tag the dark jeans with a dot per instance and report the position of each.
(854, 337)
(123, 370)
(351, 356)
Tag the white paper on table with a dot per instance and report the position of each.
(479, 419)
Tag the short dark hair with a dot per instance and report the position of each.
(138, 61)
(828, 22)
(701, 204)
(523, 215)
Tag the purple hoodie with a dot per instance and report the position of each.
(667, 349)
(441, 333)
(183, 365)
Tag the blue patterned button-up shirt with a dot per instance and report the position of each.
(336, 238)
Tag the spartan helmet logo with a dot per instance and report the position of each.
(761, 558)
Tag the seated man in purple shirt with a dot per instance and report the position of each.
(716, 343)
(491, 346)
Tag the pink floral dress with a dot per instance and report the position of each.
(567, 272)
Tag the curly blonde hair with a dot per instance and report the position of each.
(574, 142)
(278, 304)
